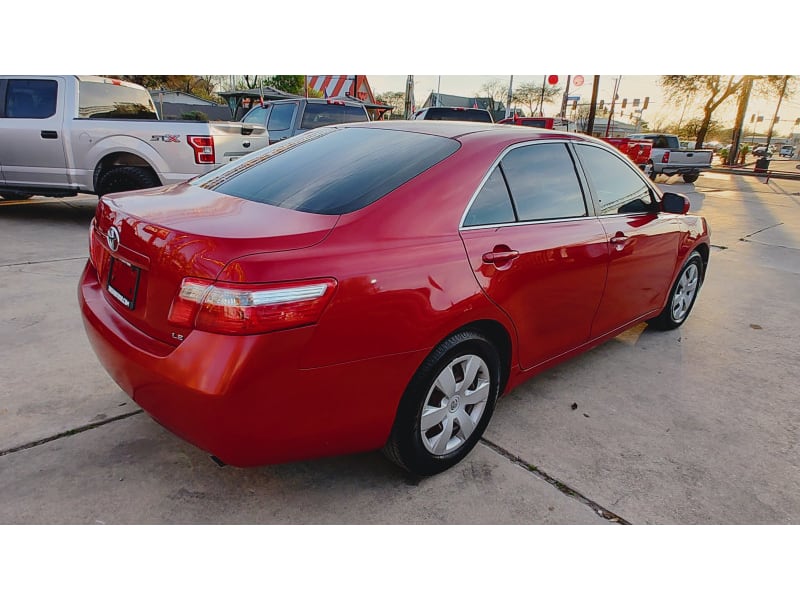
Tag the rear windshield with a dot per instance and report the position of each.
(108, 101)
(330, 171)
(454, 114)
(319, 115)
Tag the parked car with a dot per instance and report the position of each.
(787, 151)
(63, 135)
(453, 113)
(378, 285)
(763, 151)
(555, 123)
(667, 157)
(287, 118)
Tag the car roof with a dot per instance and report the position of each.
(473, 130)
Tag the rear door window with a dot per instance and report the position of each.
(543, 182)
(281, 117)
(31, 98)
(492, 206)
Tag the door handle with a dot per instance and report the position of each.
(619, 238)
(49, 135)
(500, 257)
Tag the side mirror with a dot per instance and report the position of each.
(675, 203)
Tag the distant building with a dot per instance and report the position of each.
(172, 105)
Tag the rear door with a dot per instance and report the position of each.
(32, 148)
(643, 243)
(537, 249)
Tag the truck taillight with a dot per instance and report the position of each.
(665, 158)
(243, 309)
(203, 146)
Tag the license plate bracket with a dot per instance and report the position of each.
(123, 282)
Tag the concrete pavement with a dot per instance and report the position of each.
(698, 425)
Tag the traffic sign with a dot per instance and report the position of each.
(573, 98)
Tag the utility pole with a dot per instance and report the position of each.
(741, 110)
(541, 99)
(777, 108)
(564, 100)
(510, 94)
(593, 105)
(613, 101)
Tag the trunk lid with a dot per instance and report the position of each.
(183, 231)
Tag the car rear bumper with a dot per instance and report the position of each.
(244, 398)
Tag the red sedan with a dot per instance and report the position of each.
(378, 285)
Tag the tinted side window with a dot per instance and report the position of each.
(258, 116)
(493, 204)
(281, 117)
(543, 182)
(31, 98)
(108, 101)
(319, 115)
(618, 186)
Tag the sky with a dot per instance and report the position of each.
(638, 41)
(630, 87)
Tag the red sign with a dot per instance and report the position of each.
(552, 79)
(578, 80)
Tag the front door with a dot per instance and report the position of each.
(32, 151)
(642, 242)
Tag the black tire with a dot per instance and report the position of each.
(11, 196)
(678, 308)
(123, 179)
(690, 177)
(653, 174)
(409, 445)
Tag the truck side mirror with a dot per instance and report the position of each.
(675, 203)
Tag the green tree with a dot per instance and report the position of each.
(711, 90)
(291, 84)
(395, 99)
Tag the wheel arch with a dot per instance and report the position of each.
(121, 159)
(500, 337)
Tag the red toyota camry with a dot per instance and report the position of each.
(378, 285)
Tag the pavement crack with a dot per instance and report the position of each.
(560, 486)
(70, 432)
(43, 262)
(744, 239)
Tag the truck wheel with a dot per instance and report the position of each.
(652, 174)
(10, 196)
(122, 179)
(690, 177)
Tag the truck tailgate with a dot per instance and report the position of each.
(234, 139)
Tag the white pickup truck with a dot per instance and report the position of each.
(65, 134)
(667, 157)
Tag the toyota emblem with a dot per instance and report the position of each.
(112, 237)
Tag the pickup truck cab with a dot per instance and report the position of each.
(453, 113)
(64, 134)
(667, 157)
(287, 118)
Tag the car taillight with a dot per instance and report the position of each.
(203, 146)
(665, 158)
(93, 246)
(242, 309)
